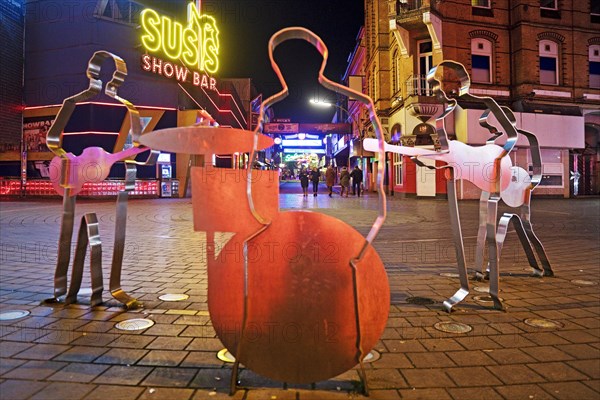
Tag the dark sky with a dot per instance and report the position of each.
(245, 29)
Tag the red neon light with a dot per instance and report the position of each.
(102, 104)
(224, 111)
(90, 133)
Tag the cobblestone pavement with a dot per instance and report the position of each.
(74, 352)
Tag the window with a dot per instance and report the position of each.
(595, 7)
(481, 61)
(397, 169)
(548, 62)
(594, 66)
(549, 4)
(481, 3)
(124, 11)
(395, 80)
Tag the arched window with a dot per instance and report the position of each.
(395, 81)
(481, 60)
(594, 59)
(548, 62)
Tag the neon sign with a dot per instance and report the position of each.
(195, 46)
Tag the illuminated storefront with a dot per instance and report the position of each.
(172, 61)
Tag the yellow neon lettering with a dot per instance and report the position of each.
(171, 38)
(190, 54)
(151, 38)
(197, 46)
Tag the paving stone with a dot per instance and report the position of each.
(426, 360)
(20, 390)
(104, 392)
(122, 375)
(393, 360)
(169, 343)
(42, 351)
(36, 370)
(470, 358)
(472, 376)
(81, 354)
(78, 372)
(166, 393)
(121, 356)
(547, 353)
(163, 358)
(212, 378)
(569, 391)
(404, 346)
(205, 344)
(424, 394)
(387, 378)
(523, 392)
(474, 393)
(172, 377)
(63, 390)
(6, 364)
(132, 341)
(510, 356)
(441, 344)
(199, 359)
(164, 330)
(589, 367)
(427, 378)
(8, 349)
(515, 374)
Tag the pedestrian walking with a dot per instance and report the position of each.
(304, 181)
(330, 179)
(357, 177)
(345, 181)
(314, 178)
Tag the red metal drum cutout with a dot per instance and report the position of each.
(219, 199)
(301, 322)
(204, 140)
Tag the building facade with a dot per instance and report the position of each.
(168, 89)
(541, 58)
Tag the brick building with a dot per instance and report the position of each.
(539, 57)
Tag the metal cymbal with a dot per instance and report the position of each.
(204, 140)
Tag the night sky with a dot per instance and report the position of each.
(245, 29)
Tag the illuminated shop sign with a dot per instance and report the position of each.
(191, 51)
(312, 151)
(302, 143)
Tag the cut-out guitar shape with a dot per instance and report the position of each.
(92, 165)
(296, 273)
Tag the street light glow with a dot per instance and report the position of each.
(320, 103)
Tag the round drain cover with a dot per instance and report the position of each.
(372, 356)
(173, 297)
(419, 300)
(481, 289)
(225, 356)
(543, 323)
(452, 327)
(583, 282)
(13, 314)
(135, 324)
(450, 274)
(486, 299)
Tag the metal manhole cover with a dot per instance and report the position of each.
(543, 323)
(481, 289)
(452, 327)
(450, 274)
(422, 301)
(173, 297)
(583, 282)
(373, 356)
(135, 324)
(13, 314)
(486, 299)
(225, 356)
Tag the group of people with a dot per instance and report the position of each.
(314, 176)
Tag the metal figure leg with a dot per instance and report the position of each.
(88, 234)
(359, 345)
(458, 244)
(119, 250)
(533, 239)
(525, 243)
(493, 253)
(64, 246)
(480, 273)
